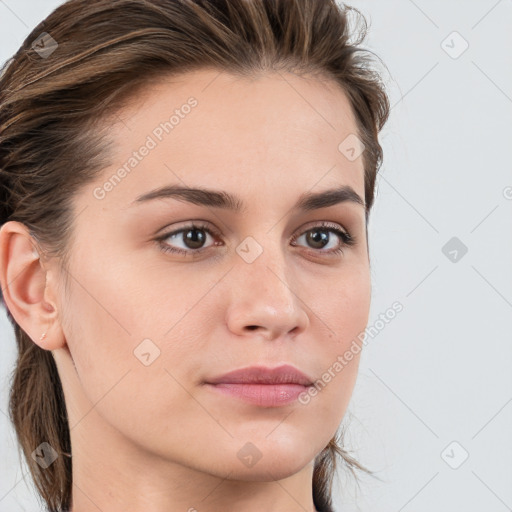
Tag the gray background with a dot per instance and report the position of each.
(435, 384)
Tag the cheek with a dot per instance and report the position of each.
(99, 328)
(344, 314)
(346, 306)
(113, 326)
(116, 389)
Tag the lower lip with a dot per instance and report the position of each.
(264, 395)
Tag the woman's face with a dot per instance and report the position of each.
(262, 285)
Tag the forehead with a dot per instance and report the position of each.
(211, 128)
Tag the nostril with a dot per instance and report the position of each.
(252, 327)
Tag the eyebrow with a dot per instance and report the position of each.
(221, 199)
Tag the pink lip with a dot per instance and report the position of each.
(266, 387)
(284, 374)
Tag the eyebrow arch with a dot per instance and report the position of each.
(221, 199)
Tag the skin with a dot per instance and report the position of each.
(154, 437)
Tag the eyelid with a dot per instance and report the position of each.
(187, 224)
(323, 224)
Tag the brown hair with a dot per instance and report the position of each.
(52, 103)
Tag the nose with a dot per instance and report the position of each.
(264, 301)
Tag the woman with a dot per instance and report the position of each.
(159, 370)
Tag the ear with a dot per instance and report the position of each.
(29, 289)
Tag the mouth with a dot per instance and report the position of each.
(262, 386)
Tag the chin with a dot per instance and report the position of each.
(266, 463)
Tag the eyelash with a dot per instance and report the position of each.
(346, 238)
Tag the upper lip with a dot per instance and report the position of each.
(284, 374)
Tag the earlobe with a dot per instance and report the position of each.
(26, 286)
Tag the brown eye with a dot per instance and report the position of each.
(319, 237)
(193, 238)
